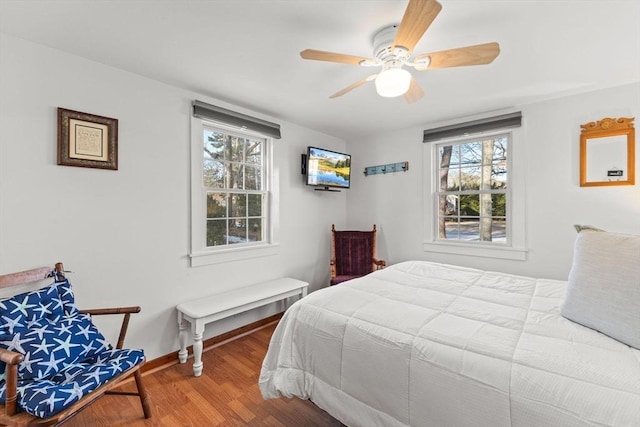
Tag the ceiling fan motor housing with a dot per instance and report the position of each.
(384, 51)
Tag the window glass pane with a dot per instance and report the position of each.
(254, 152)
(486, 152)
(499, 230)
(255, 229)
(469, 229)
(234, 176)
(253, 177)
(470, 178)
(486, 226)
(216, 205)
(237, 205)
(235, 148)
(214, 145)
(471, 153)
(254, 205)
(451, 228)
(449, 155)
(485, 204)
(470, 204)
(499, 179)
(216, 232)
(499, 204)
(237, 230)
(450, 180)
(213, 174)
(500, 150)
(449, 205)
(475, 229)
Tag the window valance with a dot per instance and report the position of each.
(503, 121)
(206, 111)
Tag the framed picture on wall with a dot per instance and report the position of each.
(87, 140)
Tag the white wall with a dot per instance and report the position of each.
(554, 199)
(125, 233)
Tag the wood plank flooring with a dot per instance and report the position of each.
(226, 394)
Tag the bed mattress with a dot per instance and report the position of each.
(427, 344)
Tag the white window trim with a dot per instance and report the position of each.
(515, 249)
(199, 254)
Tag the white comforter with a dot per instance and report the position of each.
(427, 344)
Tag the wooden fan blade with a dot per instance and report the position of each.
(353, 86)
(414, 93)
(320, 55)
(417, 18)
(470, 55)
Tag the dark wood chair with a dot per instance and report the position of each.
(353, 254)
(12, 414)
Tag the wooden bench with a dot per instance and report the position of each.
(211, 308)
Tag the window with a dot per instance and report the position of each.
(233, 166)
(232, 215)
(474, 192)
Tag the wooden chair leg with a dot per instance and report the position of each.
(142, 392)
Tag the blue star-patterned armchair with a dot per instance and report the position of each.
(353, 254)
(53, 360)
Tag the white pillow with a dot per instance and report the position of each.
(604, 285)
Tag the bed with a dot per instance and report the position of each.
(428, 344)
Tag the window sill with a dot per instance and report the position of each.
(518, 254)
(220, 256)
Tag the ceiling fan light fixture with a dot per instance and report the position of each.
(393, 82)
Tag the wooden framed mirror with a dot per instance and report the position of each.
(607, 152)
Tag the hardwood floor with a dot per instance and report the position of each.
(226, 394)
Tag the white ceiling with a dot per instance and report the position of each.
(246, 52)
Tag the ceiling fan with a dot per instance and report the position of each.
(392, 49)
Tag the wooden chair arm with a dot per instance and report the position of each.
(12, 359)
(114, 310)
(380, 263)
(127, 311)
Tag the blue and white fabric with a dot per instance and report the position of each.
(65, 356)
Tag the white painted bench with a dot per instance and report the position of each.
(208, 309)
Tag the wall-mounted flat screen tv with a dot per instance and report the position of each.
(326, 168)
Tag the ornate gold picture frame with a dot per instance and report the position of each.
(87, 140)
(607, 152)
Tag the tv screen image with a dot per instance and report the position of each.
(326, 168)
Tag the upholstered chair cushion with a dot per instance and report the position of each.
(354, 252)
(65, 356)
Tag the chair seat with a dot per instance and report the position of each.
(344, 278)
(46, 397)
